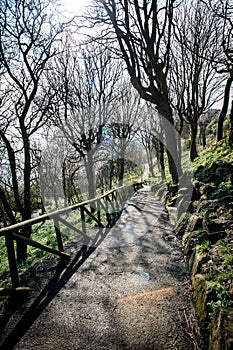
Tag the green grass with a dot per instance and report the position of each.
(206, 244)
(43, 233)
(214, 159)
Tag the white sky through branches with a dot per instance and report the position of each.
(75, 6)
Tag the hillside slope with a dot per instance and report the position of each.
(206, 231)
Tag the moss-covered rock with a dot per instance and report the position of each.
(215, 164)
(221, 330)
(197, 261)
(181, 225)
(200, 296)
(206, 231)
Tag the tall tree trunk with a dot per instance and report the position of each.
(13, 168)
(231, 126)
(7, 207)
(121, 164)
(111, 173)
(64, 184)
(150, 162)
(174, 162)
(161, 160)
(159, 149)
(223, 112)
(179, 146)
(203, 134)
(89, 165)
(27, 206)
(193, 146)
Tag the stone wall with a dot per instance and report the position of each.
(206, 231)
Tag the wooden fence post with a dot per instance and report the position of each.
(12, 259)
(83, 220)
(112, 204)
(108, 215)
(98, 210)
(58, 234)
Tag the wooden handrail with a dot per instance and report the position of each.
(40, 246)
(49, 216)
(13, 291)
(12, 232)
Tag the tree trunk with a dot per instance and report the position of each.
(13, 168)
(75, 190)
(150, 162)
(161, 161)
(27, 208)
(203, 134)
(6, 207)
(89, 165)
(64, 184)
(121, 163)
(159, 151)
(231, 126)
(180, 130)
(193, 146)
(111, 173)
(223, 112)
(174, 162)
(55, 197)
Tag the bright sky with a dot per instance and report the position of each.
(75, 6)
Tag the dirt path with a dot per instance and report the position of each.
(130, 292)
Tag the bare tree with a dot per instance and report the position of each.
(28, 35)
(84, 81)
(146, 138)
(204, 121)
(151, 137)
(222, 12)
(195, 85)
(143, 31)
(58, 169)
(225, 105)
(123, 125)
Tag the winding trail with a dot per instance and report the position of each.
(132, 291)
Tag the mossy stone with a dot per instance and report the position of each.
(200, 296)
(195, 223)
(190, 240)
(198, 259)
(221, 330)
(181, 225)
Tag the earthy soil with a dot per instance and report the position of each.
(130, 290)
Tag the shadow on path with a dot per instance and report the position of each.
(60, 278)
(105, 303)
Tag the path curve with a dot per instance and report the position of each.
(133, 291)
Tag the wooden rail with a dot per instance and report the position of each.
(103, 210)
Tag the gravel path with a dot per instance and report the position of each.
(130, 290)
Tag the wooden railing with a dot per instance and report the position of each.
(103, 210)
